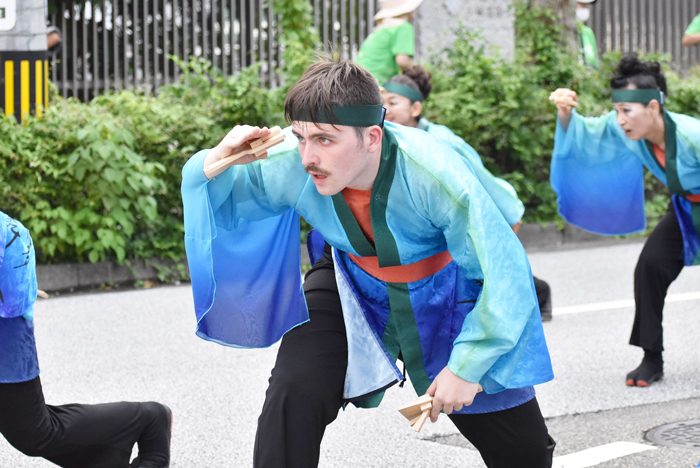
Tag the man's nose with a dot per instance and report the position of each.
(308, 155)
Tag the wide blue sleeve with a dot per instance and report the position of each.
(597, 174)
(244, 254)
(502, 193)
(501, 342)
(18, 286)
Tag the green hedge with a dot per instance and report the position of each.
(101, 180)
(501, 106)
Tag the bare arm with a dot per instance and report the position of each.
(403, 61)
(691, 39)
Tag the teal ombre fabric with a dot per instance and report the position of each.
(502, 193)
(435, 203)
(245, 271)
(597, 174)
(18, 362)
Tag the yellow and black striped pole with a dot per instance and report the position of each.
(25, 79)
(23, 58)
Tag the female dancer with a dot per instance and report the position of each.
(403, 97)
(597, 175)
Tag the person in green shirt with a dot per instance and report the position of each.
(588, 49)
(692, 34)
(390, 47)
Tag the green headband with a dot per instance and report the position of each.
(643, 96)
(351, 116)
(404, 91)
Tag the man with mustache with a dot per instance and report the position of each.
(410, 263)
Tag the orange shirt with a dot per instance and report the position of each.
(661, 156)
(358, 202)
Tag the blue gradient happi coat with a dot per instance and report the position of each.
(478, 315)
(597, 174)
(502, 193)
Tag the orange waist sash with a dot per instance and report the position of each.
(403, 273)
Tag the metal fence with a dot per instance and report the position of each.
(646, 26)
(127, 44)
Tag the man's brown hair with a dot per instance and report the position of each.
(330, 81)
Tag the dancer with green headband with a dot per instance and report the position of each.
(597, 174)
(411, 260)
(403, 97)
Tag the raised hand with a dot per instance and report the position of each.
(234, 142)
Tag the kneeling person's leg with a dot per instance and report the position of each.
(83, 436)
(516, 437)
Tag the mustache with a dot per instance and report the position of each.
(317, 170)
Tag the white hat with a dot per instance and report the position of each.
(394, 8)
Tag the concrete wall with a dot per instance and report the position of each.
(436, 20)
(29, 33)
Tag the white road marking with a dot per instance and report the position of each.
(621, 304)
(596, 455)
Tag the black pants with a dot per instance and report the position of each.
(78, 436)
(544, 295)
(306, 393)
(658, 266)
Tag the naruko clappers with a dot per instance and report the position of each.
(256, 147)
(418, 412)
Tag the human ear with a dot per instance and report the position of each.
(416, 109)
(374, 138)
(654, 107)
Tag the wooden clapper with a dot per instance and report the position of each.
(255, 147)
(418, 412)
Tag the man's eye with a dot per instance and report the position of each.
(323, 140)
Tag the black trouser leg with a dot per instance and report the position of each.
(544, 296)
(306, 386)
(73, 436)
(515, 437)
(658, 266)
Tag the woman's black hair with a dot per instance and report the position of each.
(415, 77)
(644, 75)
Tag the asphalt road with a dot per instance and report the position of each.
(140, 345)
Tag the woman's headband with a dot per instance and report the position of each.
(644, 96)
(404, 91)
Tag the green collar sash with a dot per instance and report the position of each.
(671, 168)
(351, 116)
(404, 91)
(643, 96)
(386, 249)
(401, 335)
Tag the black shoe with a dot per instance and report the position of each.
(154, 443)
(649, 371)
